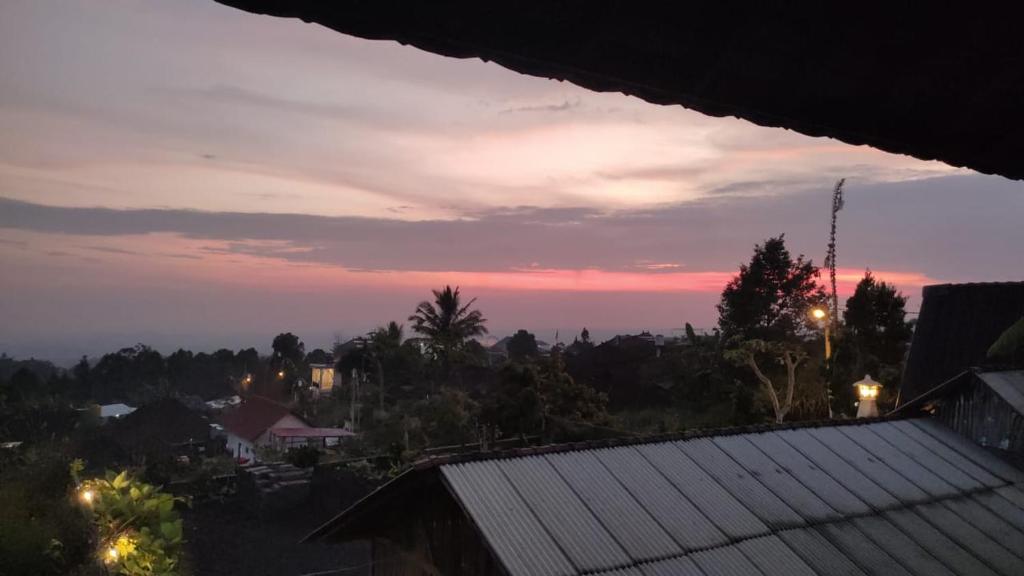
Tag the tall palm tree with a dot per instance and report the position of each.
(447, 324)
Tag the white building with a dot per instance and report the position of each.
(248, 427)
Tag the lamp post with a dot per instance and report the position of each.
(867, 393)
(821, 315)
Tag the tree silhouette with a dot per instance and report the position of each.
(447, 323)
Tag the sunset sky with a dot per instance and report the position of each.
(181, 173)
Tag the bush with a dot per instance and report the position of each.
(139, 532)
(41, 530)
(304, 456)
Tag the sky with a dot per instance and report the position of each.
(184, 174)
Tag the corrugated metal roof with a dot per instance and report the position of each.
(971, 538)
(519, 540)
(629, 522)
(839, 470)
(773, 556)
(970, 450)
(585, 541)
(1009, 385)
(686, 524)
(819, 553)
(906, 551)
(938, 544)
(725, 511)
(878, 498)
(741, 483)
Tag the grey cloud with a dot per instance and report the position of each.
(957, 227)
(111, 250)
(563, 107)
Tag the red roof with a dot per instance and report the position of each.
(254, 417)
(311, 432)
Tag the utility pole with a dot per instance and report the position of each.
(832, 319)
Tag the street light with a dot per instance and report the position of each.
(821, 315)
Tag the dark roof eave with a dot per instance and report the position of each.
(800, 69)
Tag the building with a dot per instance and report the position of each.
(163, 427)
(118, 410)
(885, 496)
(987, 407)
(248, 426)
(324, 377)
(957, 325)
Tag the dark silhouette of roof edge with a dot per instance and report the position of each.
(938, 84)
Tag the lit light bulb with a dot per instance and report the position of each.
(112, 554)
(87, 496)
(818, 313)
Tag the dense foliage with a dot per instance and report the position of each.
(137, 529)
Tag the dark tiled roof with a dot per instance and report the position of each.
(166, 420)
(896, 496)
(956, 326)
(253, 417)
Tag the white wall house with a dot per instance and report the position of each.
(248, 427)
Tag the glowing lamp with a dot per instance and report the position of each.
(111, 555)
(819, 313)
(867, 392)
(280, 374)
(86, 496)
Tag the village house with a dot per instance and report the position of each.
(248, 426)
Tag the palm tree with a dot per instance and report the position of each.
(447, 324)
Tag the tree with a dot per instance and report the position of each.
(764, 319)
(1009, 347)
(771, 296)
(522, 346)
(746, 354)
(287, 346)
(319, 356)
(447, 323)
(876, 332)
(383, 345)
(585, 336)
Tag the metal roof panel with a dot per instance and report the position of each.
(772, 556)
(730, 515)
(856, 546)
(741, 483)
(682, 566)
(819, 553)
(576, 530)
(674, 512)
(971, 538)
(518, 539)
(908, 553)
(879, 472)
(882, 450)
(819, 482)
(953, 555)
(615, 508)
(933, 461)
(970, 450)
(724, 561)
(838, 469)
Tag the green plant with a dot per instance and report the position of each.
(138, 530)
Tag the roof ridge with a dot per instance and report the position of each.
(436, 461)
